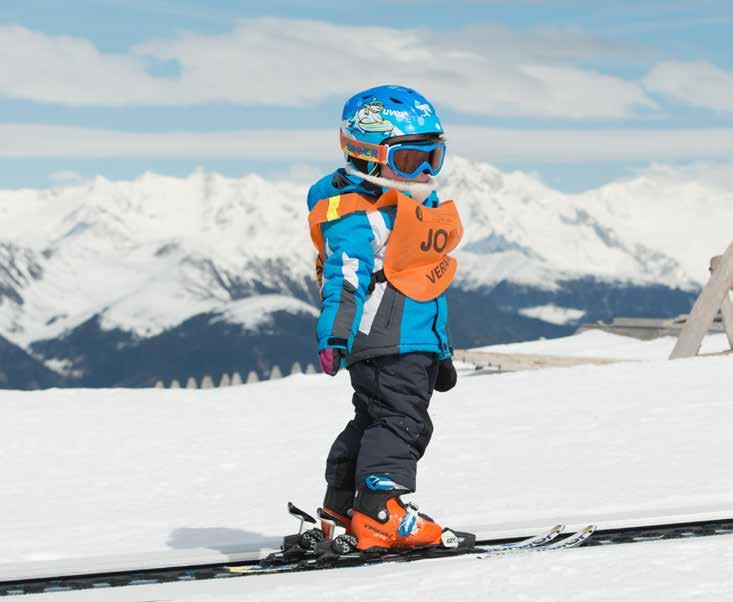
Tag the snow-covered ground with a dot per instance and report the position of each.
(107, 472)
(553, 314)
(599, 344)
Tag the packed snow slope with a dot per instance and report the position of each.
(143, 256)
(109, 472)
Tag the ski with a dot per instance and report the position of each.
(543, 542)
(307, 549)
(573, 540)
(602, 537)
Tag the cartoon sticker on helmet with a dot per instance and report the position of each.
(426, 109)
(369, 118)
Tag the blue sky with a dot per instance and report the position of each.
(580, 93)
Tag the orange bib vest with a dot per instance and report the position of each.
(416, 262)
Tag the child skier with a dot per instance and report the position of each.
(383, 240)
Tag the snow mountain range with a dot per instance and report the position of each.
(123, 283)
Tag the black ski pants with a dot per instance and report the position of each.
(391, 427)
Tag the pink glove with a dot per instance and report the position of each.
(331, 360)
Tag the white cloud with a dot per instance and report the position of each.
(698, 83)
(50, 141)
(65, 177)
(558, 146)
(70, 71)
(496, 145)
(285, 62)
(303, 172)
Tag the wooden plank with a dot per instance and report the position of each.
(515, 362)
(727, 310)
(643, 333)
(715, 264)
(644, 323)
(706, 308)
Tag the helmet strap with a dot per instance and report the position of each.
(416, 187)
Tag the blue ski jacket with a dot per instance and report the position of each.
(361, 312)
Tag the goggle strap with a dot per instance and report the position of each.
(364, 150)
(418, 147)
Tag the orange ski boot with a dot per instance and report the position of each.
(382, 521)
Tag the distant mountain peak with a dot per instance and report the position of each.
(147, 254)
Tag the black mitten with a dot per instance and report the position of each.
(447, 377)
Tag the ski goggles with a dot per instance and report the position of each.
(407, 159)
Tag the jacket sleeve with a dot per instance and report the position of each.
(347, 273)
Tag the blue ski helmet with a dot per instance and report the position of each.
(373, 116)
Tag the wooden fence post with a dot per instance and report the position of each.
(715, 296)
(726, 310)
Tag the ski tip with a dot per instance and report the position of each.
(557, 529)
(582, 536)
(574, 540)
